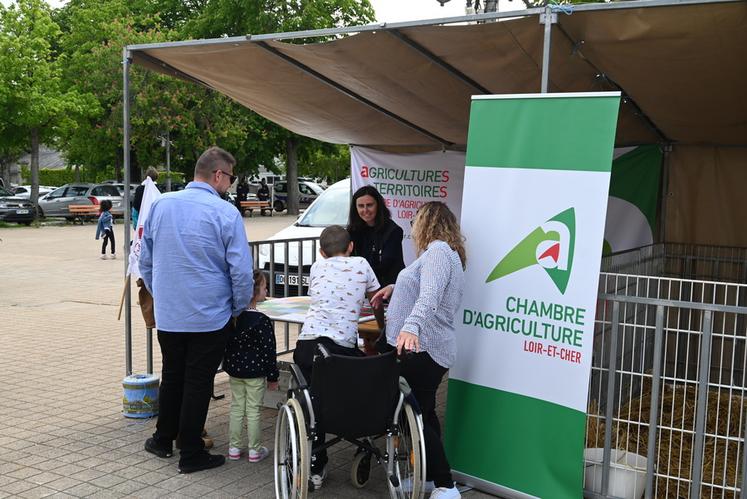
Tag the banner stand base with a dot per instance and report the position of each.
(490, 487)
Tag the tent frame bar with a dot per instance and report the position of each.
(132, 52)
(126, 63)
(491, 16)
(359, 98)
(438, 61)
(627, 99)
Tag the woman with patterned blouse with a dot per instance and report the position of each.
(420, 320)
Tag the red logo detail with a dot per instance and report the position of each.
(553, 252)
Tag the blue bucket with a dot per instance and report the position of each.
(140, 398)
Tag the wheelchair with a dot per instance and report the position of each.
(359, 400)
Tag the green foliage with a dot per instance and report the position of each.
(64, 176)
(63, 70)
(31, 93)
(67, 175)
(327, 161)
(241, 17)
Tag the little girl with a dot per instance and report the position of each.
(106, 228)
(250, 361)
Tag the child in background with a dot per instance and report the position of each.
(338, 287)
(105, 227)
(250, 361)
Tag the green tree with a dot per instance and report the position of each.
(34, 106)
(194, 117)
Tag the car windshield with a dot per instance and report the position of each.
(315, 188)
(4, 193)
(331, 208)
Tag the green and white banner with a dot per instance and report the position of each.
(634, 195)
(533, 213)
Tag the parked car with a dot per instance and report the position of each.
(330, 208)
(15, 209)
(121, 187)
(24, 191)
(307, 194)
(55, 204)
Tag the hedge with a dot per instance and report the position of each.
(67, 176)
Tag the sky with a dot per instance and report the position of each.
(400, 10)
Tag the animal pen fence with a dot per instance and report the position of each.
(668, 372)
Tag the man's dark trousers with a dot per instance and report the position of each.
(190, 361)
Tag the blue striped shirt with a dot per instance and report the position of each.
(425, 299)
(195, 260)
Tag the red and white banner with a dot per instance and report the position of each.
(150, 194)
(407, 181)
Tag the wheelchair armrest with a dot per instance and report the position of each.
(298, 376)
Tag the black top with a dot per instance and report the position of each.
(241, 191)
(382, 248)
(263, 192)
(250, 349)
(138, 197)
(138, 200)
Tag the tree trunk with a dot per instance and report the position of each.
(77, 173)
(5, 173)
(291, 175)
(34, 166)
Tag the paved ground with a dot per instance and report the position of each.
(61, 368)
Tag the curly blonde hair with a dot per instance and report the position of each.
(435, 221)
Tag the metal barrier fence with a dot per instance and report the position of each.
(668, 375)
(286, 276)
(685, 261)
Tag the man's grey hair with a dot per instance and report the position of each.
(152, 173)
(213, 159)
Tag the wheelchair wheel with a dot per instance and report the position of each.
(360, 471)
(291, 452)
(408, 456)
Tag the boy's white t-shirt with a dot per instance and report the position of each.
(337, 287)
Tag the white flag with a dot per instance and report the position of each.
(150, 194)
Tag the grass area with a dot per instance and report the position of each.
(12, 225)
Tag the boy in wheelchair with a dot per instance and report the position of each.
(338, 286)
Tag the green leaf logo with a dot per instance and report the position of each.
(550, 246)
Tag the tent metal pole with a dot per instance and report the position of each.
(438, 61)
(664, 194)
(126, 63)
(548, 18)
(333, 84)
(490, 16)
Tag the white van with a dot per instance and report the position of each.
(330, 208)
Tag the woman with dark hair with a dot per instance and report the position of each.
(376, 237)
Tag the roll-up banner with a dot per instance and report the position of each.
(407, 181)
(533, 213)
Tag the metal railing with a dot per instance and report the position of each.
(287, 263)
(668, 379)
(685, 261)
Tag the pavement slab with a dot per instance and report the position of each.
(62, 361)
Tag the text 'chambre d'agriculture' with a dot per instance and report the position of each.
(560, 325)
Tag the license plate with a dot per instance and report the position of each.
(292, 279)
(22, 212)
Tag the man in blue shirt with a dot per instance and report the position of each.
(195, 261)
